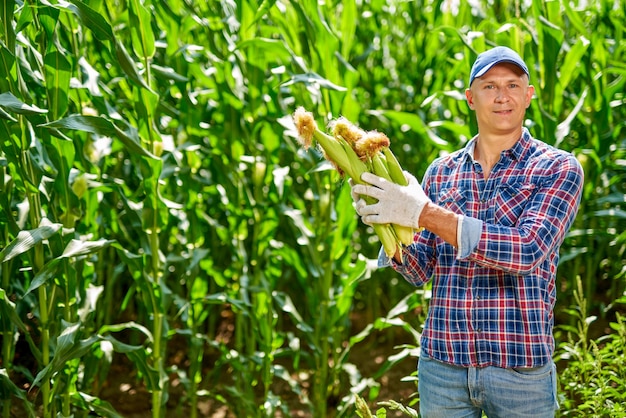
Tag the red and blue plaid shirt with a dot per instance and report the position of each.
(493, 304)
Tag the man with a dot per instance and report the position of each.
(495, 214)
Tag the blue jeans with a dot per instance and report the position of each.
(448, 391)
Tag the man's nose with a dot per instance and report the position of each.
(502, 96)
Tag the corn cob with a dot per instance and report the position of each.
(381, 167)
(343, 157)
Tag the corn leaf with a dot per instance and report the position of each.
(142, 35)
(128, 65)
(265, 6)
(48, 17)
(92, 20)
(169, 73)
(95, 404)
(49, 271)
(349, 19)
(77, 248)
(8, 389)
(7, 63)
(8, 310)
(260, 51)
(68, 347)
(12, 103)
(58, 73)
(286, 304)
(6, 15)
(101, 126)
(26, 240)
(417, 125)
(7, 116)
(314, 79)
(141, 359)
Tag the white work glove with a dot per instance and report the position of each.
(400, 205)
(356, 198)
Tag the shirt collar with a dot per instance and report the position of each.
(515, 152)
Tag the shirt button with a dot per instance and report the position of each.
(478, 297)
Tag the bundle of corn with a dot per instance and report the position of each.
(353, 151)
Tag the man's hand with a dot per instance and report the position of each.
(357, 199)
(355, 196)
(400, 205)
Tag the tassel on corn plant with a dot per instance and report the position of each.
(353, 151)
(362, 410)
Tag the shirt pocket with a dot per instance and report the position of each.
(510, 202)
(452, 199)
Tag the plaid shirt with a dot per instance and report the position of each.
(493, 305)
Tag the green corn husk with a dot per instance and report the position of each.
(395, 171)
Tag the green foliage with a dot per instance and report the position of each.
(594, 382)
(393, 405)
(152, 192)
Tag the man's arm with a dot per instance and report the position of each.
(439, 221)
(442, 222)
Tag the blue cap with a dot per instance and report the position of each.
(494, 56)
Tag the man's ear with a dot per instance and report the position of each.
(470, 98)
(529, 95)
